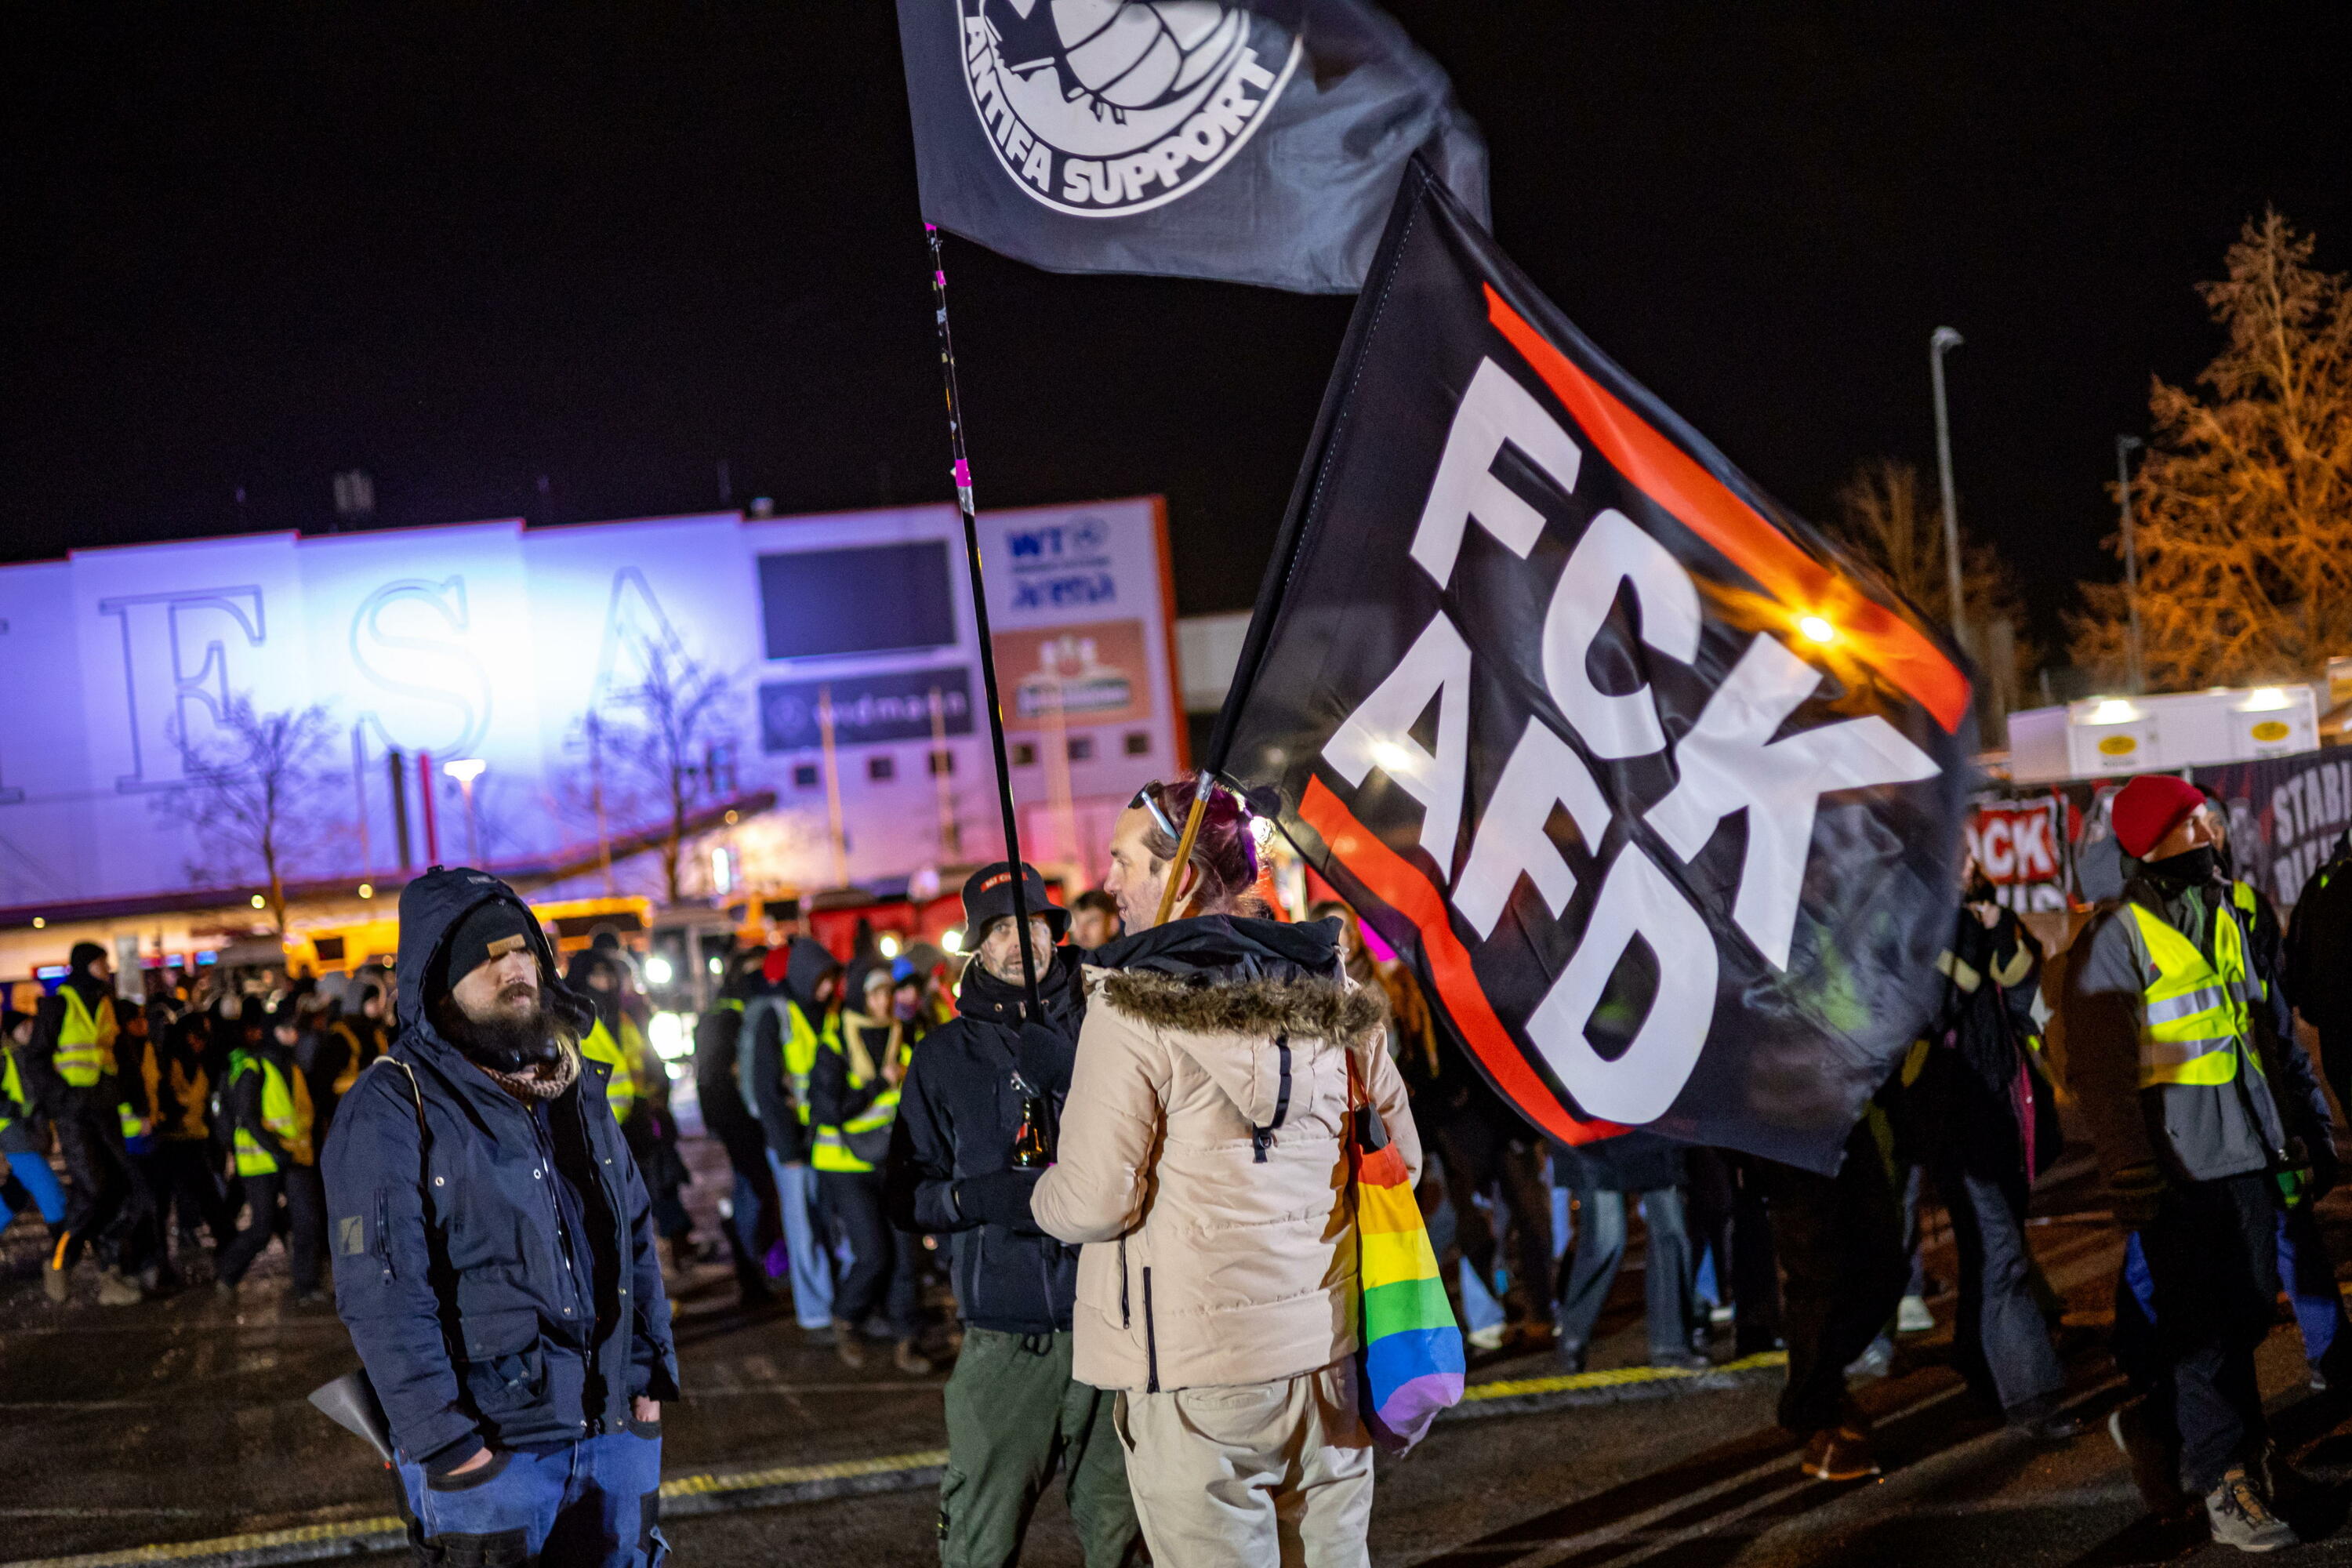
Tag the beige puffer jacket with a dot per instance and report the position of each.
(1203, 1266)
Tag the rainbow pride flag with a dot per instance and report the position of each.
(1410, 1348)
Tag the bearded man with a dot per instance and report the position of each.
(494, 1251)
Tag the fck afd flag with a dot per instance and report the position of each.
(1662, 799)
(1259, 142)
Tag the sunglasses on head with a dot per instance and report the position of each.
(1147, 798)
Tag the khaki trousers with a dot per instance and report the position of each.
(1258, 1474)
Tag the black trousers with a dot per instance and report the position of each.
(2212, 1258)
(1477, 1157)
(306, 1236)
(187, 1183)
(1840, 1240)
(885, 1273)
(106, 1199)
(2001, 1339)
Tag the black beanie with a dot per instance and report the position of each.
(84, 955)
(491, 929)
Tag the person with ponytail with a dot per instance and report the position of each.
(1202, 1169)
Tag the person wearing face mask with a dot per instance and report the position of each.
(494, 1251)
(2163, 1021)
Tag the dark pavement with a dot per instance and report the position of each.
(183, 1421)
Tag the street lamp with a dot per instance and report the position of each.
(466, 770)
(2124, 446)
(1947, 339)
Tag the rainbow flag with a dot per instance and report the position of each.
(1410, 1348)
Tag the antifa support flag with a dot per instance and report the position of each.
(1258, 142)
(1661, 797)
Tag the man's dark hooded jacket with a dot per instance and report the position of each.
(958, 1114)
(765, 1025)
(449, 1265)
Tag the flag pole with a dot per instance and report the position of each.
(980, 615)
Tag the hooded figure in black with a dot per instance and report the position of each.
(67, 1069)
(784, 1024)
(494, 1248)
(717, 1049)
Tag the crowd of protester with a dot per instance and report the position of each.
(1093, 1200)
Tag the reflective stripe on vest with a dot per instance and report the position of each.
(85, 1041)
(831, 1151)
(2194, 1011)
(285, 1112)
(620, 1089)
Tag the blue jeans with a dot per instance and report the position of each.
(33, 1171)
(805, 1240)
(595, 1502)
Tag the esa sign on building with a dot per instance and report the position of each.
(495, 641)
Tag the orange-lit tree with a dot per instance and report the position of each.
(2242, 500)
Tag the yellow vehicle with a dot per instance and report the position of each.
(338, 947)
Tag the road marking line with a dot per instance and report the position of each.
(1616, 1377)
(273, 1541)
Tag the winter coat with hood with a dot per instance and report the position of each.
(1202, 1163)
(450, 1263)
(767, 1024)
(2318, 981)
(959, 1112)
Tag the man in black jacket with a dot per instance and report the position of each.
(2319, 977)
(718, 1042)
(1013, 1409)
(784, 1028)
(494, 1252)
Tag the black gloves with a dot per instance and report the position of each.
(1045, 1057)
(1001, 1197)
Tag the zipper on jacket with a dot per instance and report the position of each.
(1150, 1339)
(1262, 1138)
(1125, 1319)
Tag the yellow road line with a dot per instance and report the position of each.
(352, 1528)
(714, 1486)
(1618, 1377)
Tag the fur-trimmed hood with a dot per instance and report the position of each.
(1317, 1008)
(1238, 1030)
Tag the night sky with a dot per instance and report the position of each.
(463, 248)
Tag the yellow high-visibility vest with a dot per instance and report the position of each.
(12, 1089)
(285, 1112)
(625, 1057)
(353, 1063)
(802, 1042)
(2193, 1014)
(85, 1040)
(190, 1089)
(831, 1151)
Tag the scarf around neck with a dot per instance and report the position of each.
(540, 1080)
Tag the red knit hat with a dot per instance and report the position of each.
(2150, 806)
(771, 968)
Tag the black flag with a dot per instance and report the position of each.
(1259, 142)
(1662, 799)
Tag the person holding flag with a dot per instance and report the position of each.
(2162, 1015)
(1208, 1109)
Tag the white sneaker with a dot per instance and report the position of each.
(1912, 1317)
(1489, 1337)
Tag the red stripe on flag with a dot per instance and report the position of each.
(1392, 880)
(1668, 476)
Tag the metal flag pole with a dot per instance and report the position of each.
(1202, 784)
(980, 617)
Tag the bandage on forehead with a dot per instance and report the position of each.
(488, 932)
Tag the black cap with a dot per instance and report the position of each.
(988, 896)
(491, 929)
(83, 955)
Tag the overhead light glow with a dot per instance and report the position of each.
(465, 770)
(2112, 710)
(367, 890)
(658, 971)
(39, 921)
(259, 902)
(950, 940)
(1817, 629)
(717, 967)
(668, 1036)
(889, 944)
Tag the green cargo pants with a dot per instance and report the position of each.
(1013, 1413)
